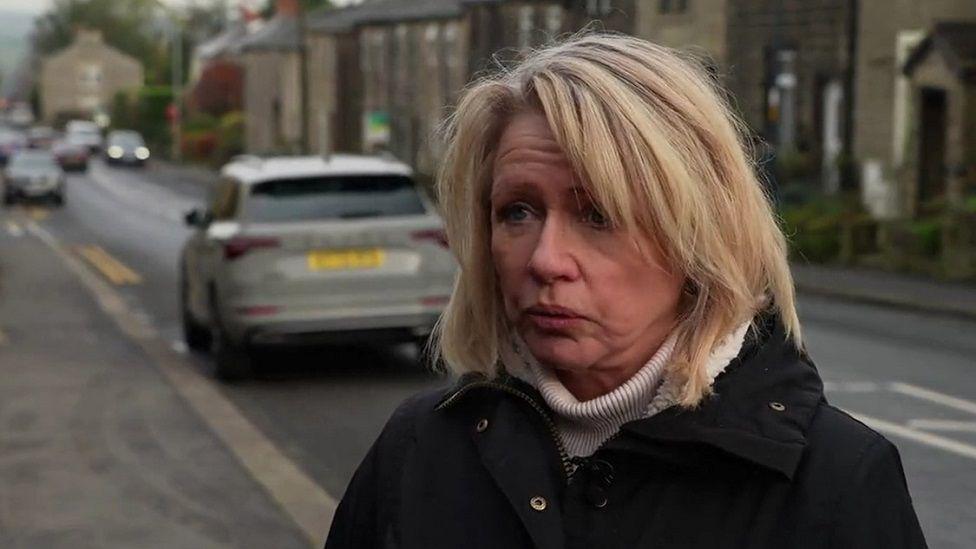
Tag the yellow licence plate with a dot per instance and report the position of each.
(345, 259)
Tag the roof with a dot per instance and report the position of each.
(383, 11)
(227, 41)
(278, 34)
(253, 169)
(955, 41)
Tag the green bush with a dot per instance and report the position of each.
(928, 236)
(151, 105)
(200, 121)
(970, 204)
(813, 228)
(230, 137)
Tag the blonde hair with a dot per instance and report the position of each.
(657, 147)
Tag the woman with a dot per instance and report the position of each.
(632, 372)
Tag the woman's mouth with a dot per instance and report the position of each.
(553, 318)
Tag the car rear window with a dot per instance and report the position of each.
(33, 161)
(333, 197)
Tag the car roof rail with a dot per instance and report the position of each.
(247, 158)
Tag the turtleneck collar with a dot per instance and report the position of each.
(585, 425)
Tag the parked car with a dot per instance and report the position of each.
(33, 175)
(41, 137)
(84, 132)
(126, 147)
(11, 141)
(71, 156)
(306, 250)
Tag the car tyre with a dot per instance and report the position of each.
(196, 335)
(8, 200)
(231, 360)
(58, 199)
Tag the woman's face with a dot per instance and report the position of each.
(582, 294)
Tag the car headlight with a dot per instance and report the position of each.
(142, 153)
(115, 151)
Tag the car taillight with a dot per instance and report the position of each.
(240, 245)
(437, 236)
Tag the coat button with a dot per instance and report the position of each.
(777, 406)
(482, 426)
(538, 503)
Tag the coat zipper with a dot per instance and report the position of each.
(567, 463)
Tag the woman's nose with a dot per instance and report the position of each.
(554, 256)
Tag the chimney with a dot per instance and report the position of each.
(287, 8)
(248, 15)
(88, 36)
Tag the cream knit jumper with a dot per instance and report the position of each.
(584, 426)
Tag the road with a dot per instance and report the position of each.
(910, 375)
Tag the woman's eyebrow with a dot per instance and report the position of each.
(504, 186)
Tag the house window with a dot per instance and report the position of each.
(668, 7)
(90, 76)
(597, 8)
(431, 38)
(554, 20)
(525, 26)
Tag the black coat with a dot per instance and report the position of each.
(764, 462)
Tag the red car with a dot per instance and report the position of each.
(71, 156)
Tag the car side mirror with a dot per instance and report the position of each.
(197, 217)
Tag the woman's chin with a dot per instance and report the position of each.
(562, 353)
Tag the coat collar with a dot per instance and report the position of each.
(760, 409)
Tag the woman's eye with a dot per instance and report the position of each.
(595, 217)
(515, 213)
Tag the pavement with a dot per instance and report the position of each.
(884, 288)
(97, 449)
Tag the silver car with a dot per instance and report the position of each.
(33, 175)
(307, 250)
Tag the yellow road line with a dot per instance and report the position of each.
(112, 269)
(14, 229)
(38, 214)
(3, 338)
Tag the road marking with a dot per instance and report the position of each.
(14, 229)
(928, 439)
(943, 425)
(4, 340)
(179, 347)
(852, 387)
(934, 396)
(113, 269)
(38, 214)
(309, 505)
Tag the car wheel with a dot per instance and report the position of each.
(8, 199)
(58, 199)
(196, 335)
(231, 360)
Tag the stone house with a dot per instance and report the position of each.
(786, 63)
(940, 155)
(699, 27)
(335, 81)
(83, 78)
(885, 106)
(271, 58)
(400, 64)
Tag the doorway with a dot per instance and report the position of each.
(932, 144)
